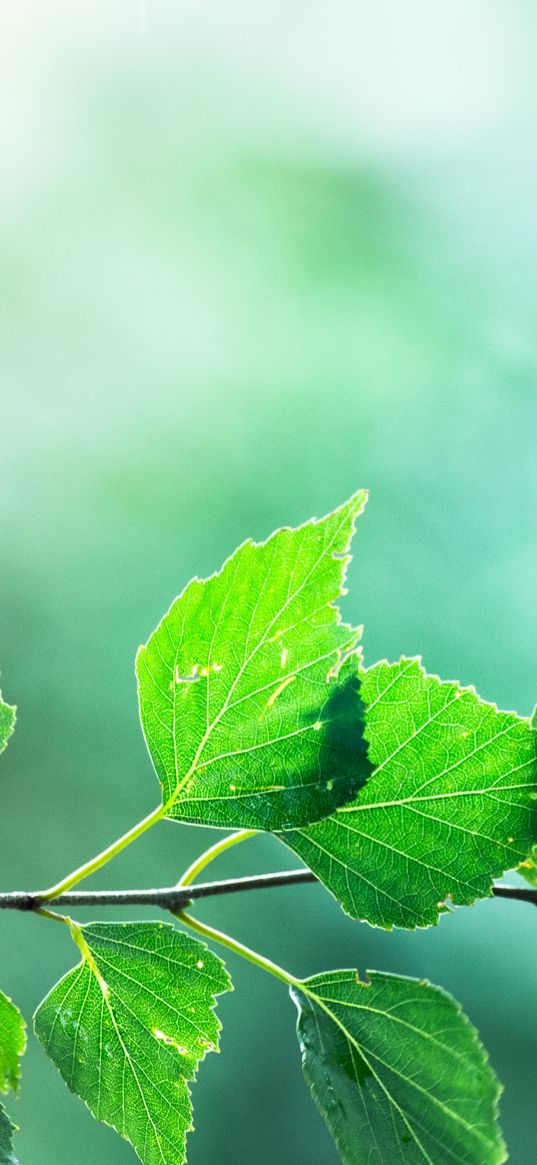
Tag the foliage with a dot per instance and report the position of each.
(128, 1026)
(246, 715)
(448, 809)
(7, 723)
(400, 791)
(12, 1045)
(397, 1071)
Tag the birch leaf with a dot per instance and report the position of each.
(451, 804)
(397, 1072)
(128, 1027)
(245, 716)
(12, 1046)
(7, 722)
(6, 1139)
(528, 868)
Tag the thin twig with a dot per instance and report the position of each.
(168, 898)
(521, 893)
(174, 898)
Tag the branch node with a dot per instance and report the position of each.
(30, 902)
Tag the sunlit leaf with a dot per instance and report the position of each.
(397, 1071)
(12, 1043)
(451, 805)
(246, 718)
(128, 1026)
(528, 868)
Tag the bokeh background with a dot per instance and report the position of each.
(254, 256)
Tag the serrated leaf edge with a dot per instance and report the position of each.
(360, 498)
(199, 1059)
(459, 1011)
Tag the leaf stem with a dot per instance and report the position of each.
(105, 856)
(54, 915)
(238, 948)
(213, 852)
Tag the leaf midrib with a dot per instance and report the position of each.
(407, 1080)
(128, 1059)
(354, 1044)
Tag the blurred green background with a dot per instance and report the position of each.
(254, 256)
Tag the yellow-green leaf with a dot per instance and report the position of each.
(12, 1046)
(7, 722)
(128, 1027)
(247, 716)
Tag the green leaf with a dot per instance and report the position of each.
(528, 868)
(128, 1026)
(12, 1026)
(7, 722)
(12, 1043)
(12, 1046)
(6, 1139)
(450, 806)
(245, 716)
(397, 1071)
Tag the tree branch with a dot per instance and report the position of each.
(174, 898)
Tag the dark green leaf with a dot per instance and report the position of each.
(246, 718)
(128, 1026)
(12, 1046)
(6, 1139)
(450, 806)
(397, 1071)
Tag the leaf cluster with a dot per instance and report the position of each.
(405, 795)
